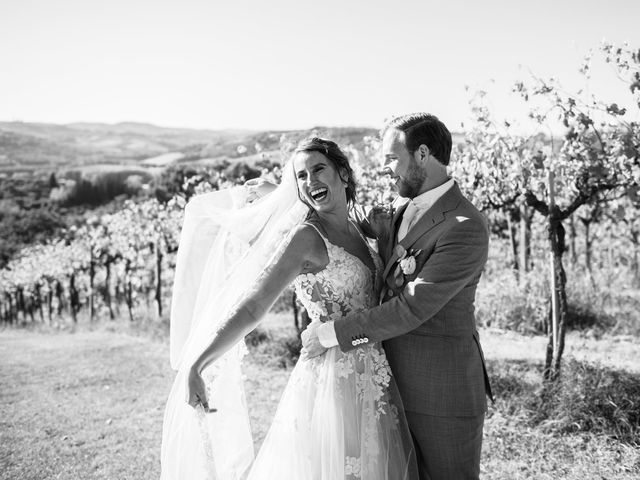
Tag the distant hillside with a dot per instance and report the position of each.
(42, 147)
(38, 145)
(30, 146)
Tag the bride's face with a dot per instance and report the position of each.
(318, 182)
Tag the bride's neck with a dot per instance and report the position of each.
(334, 222)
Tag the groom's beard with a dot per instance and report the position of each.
(410, 185)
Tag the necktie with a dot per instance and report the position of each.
(407, 219)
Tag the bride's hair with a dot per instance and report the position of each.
(338, 159)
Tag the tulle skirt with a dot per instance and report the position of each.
(340, 417)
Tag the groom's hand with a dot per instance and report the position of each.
(311, 346)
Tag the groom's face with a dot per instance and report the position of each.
(401, 165)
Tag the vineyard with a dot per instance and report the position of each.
(564, 213)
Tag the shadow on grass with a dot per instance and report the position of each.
(587, 398)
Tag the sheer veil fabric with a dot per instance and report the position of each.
(224, 247)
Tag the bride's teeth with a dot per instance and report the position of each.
(318, 192)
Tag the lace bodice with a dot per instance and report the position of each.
(346, 285)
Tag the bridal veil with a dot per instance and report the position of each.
(225, 245)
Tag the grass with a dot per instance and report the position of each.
(606, 300)
(84, 405)
(88, 404)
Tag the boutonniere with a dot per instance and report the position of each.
(406, 263)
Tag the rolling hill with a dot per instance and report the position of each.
(39, 146)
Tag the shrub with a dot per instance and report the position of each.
(257, 337)
(276, 348)
(100, 187)
(602, 301)
(504, 303)
(587, 398)
(23, 227)
(241, 170)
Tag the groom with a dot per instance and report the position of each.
(435, 248)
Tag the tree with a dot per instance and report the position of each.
(595, 159)
(492, 171)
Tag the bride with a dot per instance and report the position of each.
(340, 416)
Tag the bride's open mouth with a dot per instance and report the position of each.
(319, 194)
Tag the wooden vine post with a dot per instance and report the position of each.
(552, 349)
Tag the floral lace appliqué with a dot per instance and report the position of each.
(352, 467)
(346, 285)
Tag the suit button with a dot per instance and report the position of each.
(365, 340)
(354, 343)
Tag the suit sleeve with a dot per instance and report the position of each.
(458, 257)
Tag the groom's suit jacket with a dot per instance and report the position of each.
(426, 318)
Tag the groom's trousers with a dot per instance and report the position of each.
(448, 448)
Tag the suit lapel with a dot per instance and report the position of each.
(432, 217)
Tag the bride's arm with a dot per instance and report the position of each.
(305, 252)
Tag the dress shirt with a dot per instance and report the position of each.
(419, 205)
(422, 203)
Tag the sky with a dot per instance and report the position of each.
(292, 64)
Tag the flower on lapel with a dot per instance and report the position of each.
(406, 263)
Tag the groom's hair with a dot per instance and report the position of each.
(423, 129)
(338, 159)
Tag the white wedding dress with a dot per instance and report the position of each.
(339, 416)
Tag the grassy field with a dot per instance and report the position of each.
(89, 404)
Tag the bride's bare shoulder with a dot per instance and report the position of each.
(308, 241)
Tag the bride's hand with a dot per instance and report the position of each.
(258, 188)
(196, 390)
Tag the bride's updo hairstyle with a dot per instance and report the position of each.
(338, 159)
